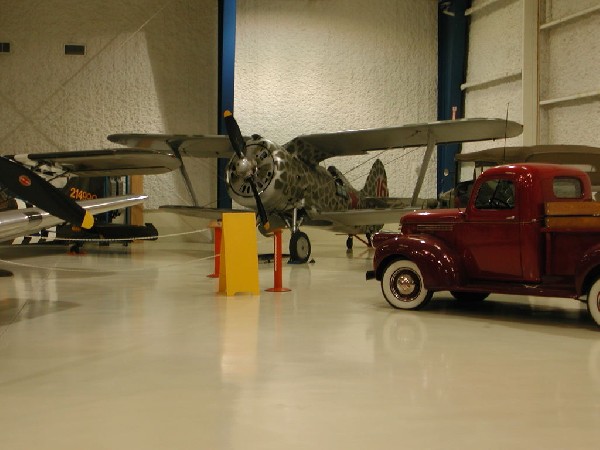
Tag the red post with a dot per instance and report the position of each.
(277, 269)
(216, 226)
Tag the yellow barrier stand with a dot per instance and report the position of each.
(239, 254)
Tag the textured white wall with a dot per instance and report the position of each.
(151, 66)
(569, 64)
(309, 66)
(495, 55)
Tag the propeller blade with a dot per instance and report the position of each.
(234, 133)
(264, 220)
(239, 145)
(32, 188)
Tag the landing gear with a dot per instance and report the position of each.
(299, 247)
(350, 241)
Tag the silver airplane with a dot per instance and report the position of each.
(287, 186)
(52, 205)
(75, 173)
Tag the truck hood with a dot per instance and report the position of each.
(453, 215)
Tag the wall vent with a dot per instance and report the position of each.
(74, 49)
(4, 47)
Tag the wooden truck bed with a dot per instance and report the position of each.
(571, 228)
(562, 216)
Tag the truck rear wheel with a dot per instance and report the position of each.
(402, 285)
(593, 301)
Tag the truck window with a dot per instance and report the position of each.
(567, 187)
(496, 194)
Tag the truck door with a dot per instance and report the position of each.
(490, 235)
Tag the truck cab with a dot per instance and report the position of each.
(502, 241)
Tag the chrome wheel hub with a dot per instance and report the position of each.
(405, 284)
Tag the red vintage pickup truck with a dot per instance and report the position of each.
(528, 229)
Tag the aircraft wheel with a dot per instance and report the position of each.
(299, 247)
(469, 296)
(593, 301)
(402, 285)
(349, 242)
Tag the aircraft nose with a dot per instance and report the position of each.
(244, 168)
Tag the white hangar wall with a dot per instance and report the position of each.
(310, 66)
(541, 59)
(150, 66)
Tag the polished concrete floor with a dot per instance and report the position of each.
(131, 348)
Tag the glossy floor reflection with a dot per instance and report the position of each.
(131, 348)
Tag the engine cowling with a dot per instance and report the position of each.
(268, 163)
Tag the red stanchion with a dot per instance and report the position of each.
(277, 269)
(216, 226)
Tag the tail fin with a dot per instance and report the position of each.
(376, 184)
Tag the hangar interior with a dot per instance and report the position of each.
(132, 346)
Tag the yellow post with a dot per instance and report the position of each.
(239, 254)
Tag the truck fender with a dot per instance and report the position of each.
(438, 263)
(587, 270)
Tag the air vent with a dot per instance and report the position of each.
(74, 49)
(4, 47)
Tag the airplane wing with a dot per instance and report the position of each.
(346, 220)
(317, 147)
(313, 148)
(21, 222)
(342, 221)
(107, 162)
(202, 212)
(199, 146)
(585, 157)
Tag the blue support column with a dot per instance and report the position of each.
(227, 11)
(452, 63)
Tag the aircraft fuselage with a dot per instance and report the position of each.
(285, 182)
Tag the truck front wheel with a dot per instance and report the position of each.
(402, 285)
(593, 301)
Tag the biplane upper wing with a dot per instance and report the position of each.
(314, 148)
(583, 156)
(107, 162)
(21, 222)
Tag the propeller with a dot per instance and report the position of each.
(29, 186)
(244, 166)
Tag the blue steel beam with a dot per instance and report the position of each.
(453, 30)
(227, 10)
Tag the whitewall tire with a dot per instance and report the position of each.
(593, 301)
(402, 285)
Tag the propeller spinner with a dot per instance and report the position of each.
(32, 188)
(245, 168)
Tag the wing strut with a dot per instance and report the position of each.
(424, 165)
(186, 177)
